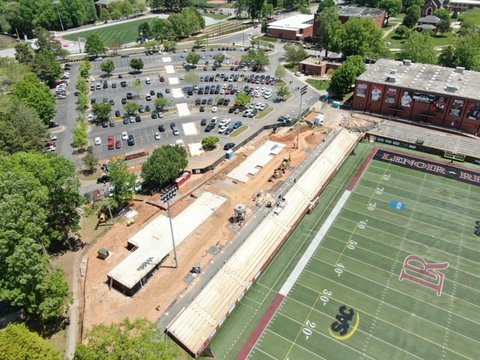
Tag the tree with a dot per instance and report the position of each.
(283, 92)
(464, 53)
(418, 48)
(144, 31)
(329, 31)
(36, 95)
(20, 343)
(210, 142)
(161, 102)
(137, 85)
(47, 68)
(469, 20)
(243, 99)
(448, 57)
(267, 9)
(152, 47)
(323, 4)
(136, 64)
(402, 32)
(362, 37)
(122, 183)
(281, 72)
(392, 7)
(131, 107)
(193, 58)
(94, 46)
(163, 166)
(445, 23)
(169, 45)
(85, 68)
(108, 66)
(411, 16)
(219, 58)
(137, 340)
(294, 54)
(344, 77)
(24, 53)
(199, 42)
(46, 43)
(258, 59)
(162, 29)
(102, 110)
(21, 130)
(80, 135)
(91, 162)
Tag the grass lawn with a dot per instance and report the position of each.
(442, 40)
(264, 113)
(113, 35)
(319, 84)
(216, 16)
(6, 42)
(239, 131)
(280, 83)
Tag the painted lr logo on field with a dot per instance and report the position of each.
(416, 269)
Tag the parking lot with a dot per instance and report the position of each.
(213, 97)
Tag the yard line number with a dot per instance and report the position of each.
(308, 329)
(325, 297)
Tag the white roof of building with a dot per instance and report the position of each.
(424, 77)
(196, 324)
(154, 241)
(261, 157)
(296, 22)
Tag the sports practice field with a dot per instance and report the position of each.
(395, 277)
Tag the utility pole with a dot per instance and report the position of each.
(168, 194)
(303, 91)
(56, 2)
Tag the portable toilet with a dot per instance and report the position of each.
(336, 104)
(319, 120)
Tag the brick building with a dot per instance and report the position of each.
(379, 16)
(424, 93)
(296, 28)
(455, 6)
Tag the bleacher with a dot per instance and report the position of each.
(194, 327)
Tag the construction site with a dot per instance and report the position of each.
(132, 272)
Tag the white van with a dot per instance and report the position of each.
(148, 81)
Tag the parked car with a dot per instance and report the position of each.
(98, 140)
(229, 146)
(131, 140)
(118, 144)
(103, 179)
(161, 128)
(124, 135)
(237, 125)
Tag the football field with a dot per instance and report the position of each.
(396, 276)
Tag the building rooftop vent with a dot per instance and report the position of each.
(393, 71)
(451, 88)
(407, 62)
(459, 69)
(391, 79)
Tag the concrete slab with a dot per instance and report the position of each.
(183, 109)
(177, 93)
(169, 69)
(189, 129)
(173, 81)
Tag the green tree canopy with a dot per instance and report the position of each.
(80, 135)
(134, 340)
(20, 127)
(402, 32)
(210, 142)
(131, 107)
(469, 22)
(363, 37)
(90, 161)
(85, 68)
(161, 102)
(193, 58)
(94, 46)
(36, 95)
(219, 58)
(344, 77)
(102, 110)
(323, 4)
(136, 64)
(122, 183)
(24, 52)
(411, 16)
(464, 53)
(445, 23)
(46, 67)
(294, 54)
(164, 166)
(330, 29)
(20, 344)
(144, 31)
(108, 66)
(418, 47)
(243, 99)
(280, 72)
(162, 29)
(283, 92)
(258, 59)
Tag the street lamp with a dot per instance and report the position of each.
(168, 194)
(56, 2)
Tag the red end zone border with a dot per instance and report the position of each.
(253, 339)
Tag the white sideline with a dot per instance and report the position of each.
(292, 279)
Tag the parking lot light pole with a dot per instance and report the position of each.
(303, 91)
(169, 194)
(56, 2)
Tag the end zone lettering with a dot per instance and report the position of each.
(411, 162)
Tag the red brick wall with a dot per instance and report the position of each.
(282, 34)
